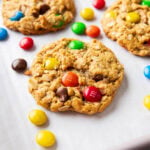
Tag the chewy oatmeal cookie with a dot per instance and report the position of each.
(70, 75)
(128, 23)
(37, 16)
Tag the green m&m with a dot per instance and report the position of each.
(76, 45)
(78, 28)
(146, 2)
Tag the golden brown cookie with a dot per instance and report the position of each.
(128, 23)
(37, 16)
(71, 75)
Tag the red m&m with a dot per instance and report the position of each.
(92, 94)
(99, 4)
(26, 43)
(70, 79)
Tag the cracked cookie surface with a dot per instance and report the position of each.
(128, 23)
(39, 16)
(93, 65)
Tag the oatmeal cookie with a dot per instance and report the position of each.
(71, 75)
(128, 23)
(37, 16)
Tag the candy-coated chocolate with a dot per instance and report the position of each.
(62, 93)
(77, 45)
(26, 43)
(37, 117)
(59, 24)
(92, 94)
(17, 16)
(70, 79)
(147, 101)
(111, 14)
(51, 63)
(3, 34)
(99, 4)
(87, 14)
(146, 3)
(45, 138)
(133, 17)
(147, 72)
(19, 65)
(93, 31)
(78, 28)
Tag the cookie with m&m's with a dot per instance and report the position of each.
(72, 75)
(128, 23)
(37, 16)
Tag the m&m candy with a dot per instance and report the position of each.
(50, 63)
(92, 94)
(70, 79)
(99, 4)
(147, 101)
(147, 72)
(93, 31)
(133, 17)
(78, 28)
(37, 117)
(3, 34)
(146, 3)
(26, 43)
(111, 14)
(87, 14)
(77, 45)
(45, 138)
(17, 16)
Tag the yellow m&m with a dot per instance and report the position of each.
(87, 14)
(133, 17)
(37, 117)
(51, 63)
(45, 138)
(147, 101)
(111, 14)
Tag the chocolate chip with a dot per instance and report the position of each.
(35, 14)
(43, 9)
(98, 77)
(62, 93)
(19, 65)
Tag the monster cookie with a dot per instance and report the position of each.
(71, 75)
(128, 23)
(37, 16)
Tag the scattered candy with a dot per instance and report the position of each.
(147, 72)
(18, 15)
(62, 93)
(51, 63)
(19, 65)
(78, 28)
(76, 45)
(146, 2)
(92, 94)
(147, 101)
(3, 34)
(45, 138)
(93, 31)
(70, 79)
(111, 14)
(99, 4)
(87, 14)
(26, 43)
(37, 117)
(133, 17)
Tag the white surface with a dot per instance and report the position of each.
(125, 119)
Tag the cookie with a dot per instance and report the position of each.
(37, 16)
(71, 75)
(128, 23)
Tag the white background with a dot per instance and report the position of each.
(125, 119)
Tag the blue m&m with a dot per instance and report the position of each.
(147, 72)
(17, 16)
(3, 34)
